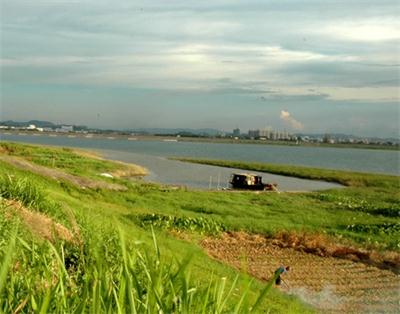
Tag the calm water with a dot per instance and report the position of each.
(364, 160)
(203, 176)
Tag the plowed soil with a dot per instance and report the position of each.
(331, 285)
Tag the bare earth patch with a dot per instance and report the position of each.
(332, 285)
(60, 175)
(41, 225)
(129, 170)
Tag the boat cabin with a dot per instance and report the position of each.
(246, 181)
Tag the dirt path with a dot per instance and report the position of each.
(60, 175)
(330, 284)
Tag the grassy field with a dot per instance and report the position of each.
(137, 249)
(366, 211)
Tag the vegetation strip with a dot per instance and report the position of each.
(348, 178)
(198, 224)
(109, 271)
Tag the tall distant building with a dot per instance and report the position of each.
(267, 133)
(236, 132)
(254, 133)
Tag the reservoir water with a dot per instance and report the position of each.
(153, 154)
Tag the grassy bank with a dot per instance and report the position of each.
(348, 178)
(112, 261)
(370, 202)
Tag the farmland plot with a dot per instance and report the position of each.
(330, 284)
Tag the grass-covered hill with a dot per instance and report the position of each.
(75, 240)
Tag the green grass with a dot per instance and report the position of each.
(109, 275)
(59, 158)
(120, 268)
(28, 193)
(198, 224)
(348, 178)
(369, 200)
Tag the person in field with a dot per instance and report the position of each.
(280, 271)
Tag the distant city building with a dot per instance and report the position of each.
(254, 133)
(65, 129)
(269, 134)
(236, 132)
(328, 139)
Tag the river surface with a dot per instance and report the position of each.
(198, 176)
(153, 154)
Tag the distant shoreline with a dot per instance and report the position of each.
(171, 138)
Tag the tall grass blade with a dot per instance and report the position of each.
(46, 302)
(228, 295)
(264, 292)
(6, 260)
(245, 293)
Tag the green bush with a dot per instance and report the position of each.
(383, 228)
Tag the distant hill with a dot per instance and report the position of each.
(38, 123)
(163, 131)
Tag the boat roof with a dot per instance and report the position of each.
(246, 174)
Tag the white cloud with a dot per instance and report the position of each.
(369, 30)
(44, 61)
(289, 120)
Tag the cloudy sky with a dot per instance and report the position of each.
(301, 65)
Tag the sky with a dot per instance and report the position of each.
(304, 66)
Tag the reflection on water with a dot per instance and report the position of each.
(202, 176)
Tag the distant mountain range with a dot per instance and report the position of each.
(37, 123)
(163, 131)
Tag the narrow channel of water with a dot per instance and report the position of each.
(198, 176)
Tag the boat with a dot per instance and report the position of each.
(249, 181)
